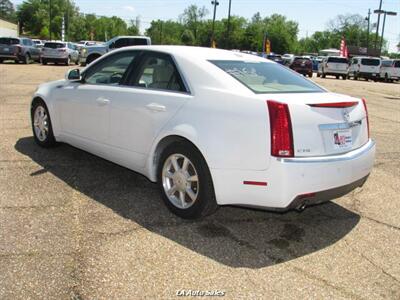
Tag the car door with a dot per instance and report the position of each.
(154, 92)
(84, 107)
(33, 50)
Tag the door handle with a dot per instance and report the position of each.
(156, 107)
(102, 101)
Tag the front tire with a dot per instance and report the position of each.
(41, 125)
(185, 182)
(27, 59)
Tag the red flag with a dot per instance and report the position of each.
(343, 48)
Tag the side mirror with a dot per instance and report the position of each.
(73, 75)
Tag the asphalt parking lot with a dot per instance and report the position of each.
(75, 226)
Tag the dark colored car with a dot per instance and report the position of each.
(276, 58)
(18, 50)
(302, 65)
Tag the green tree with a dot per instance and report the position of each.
(187, 37)
(191, 18)
(7, 11)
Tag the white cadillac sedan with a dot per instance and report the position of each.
(211, 127)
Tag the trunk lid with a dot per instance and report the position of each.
(324, 123)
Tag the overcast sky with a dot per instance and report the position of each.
(312, 15)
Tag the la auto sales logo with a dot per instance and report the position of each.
(198, 293)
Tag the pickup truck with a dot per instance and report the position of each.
(91, 53)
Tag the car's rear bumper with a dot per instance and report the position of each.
(10, 57)
(336, 72)
(368, 75)
(291, 182)
(54, 59)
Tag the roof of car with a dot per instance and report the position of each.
(201, 53)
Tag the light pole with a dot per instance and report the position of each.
(215, 3)
(369, 21)
(389, 13)
(377, 25)
(229, 24)
(50, 20)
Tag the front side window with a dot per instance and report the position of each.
(159, 72)
(137, 41)
(110, 70)
(264, 77)
(396, 64)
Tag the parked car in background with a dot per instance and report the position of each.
(302, 65)
(81, 44)
(334, 66)
(19, 50)
(276, 58)
(287, 59)
(59, 52)
(390, 70)
(303, 146)
(91, 53)
(365, 67)
(39, 43)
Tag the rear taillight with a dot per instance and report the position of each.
(281, 129)
(18, 49)
(366, 113)
(62, 50)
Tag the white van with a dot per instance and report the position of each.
(337, 66)
(365, 67)
(390, 70)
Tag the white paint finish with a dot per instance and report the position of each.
(227, 122)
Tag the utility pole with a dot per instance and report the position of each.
(369, 22)
(215, 3)
(229, 24)
(50, 20)
(377, 25)
(389, 13)
(161, 29)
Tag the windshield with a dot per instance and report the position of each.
(54, 45)
(264, 77)
(370, 62)
(9, 41)
(338, 60)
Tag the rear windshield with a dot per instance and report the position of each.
(370, 62)
(54, 45)
(302, 59)
(9, 41)
(264, 77)
(397, 63)
(338, 60)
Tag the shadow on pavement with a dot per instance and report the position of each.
(235, 237)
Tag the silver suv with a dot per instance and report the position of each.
(60, 52)
(91, 53)
(18, 50)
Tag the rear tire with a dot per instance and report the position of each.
(44, 62)
(68, 61)
(189, 186)
(41, 125)
(27, 59)
(310, 75)
(344, 77)
(318, 75)
(323, 75)
(337, 76)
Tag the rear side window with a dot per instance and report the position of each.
(54, 45)
(370, 62)
(341, 60)
(137, 41)
(264, 77)
(9, 41)
(158, 71)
